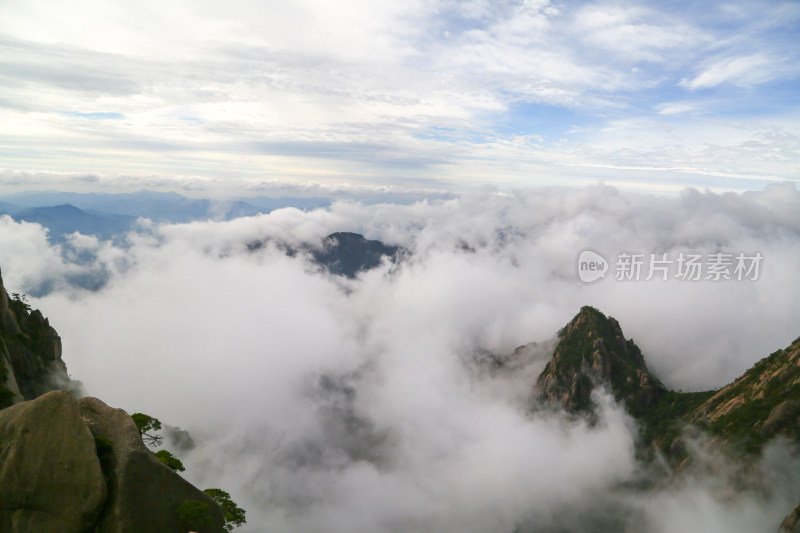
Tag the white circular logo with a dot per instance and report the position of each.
(591, 266)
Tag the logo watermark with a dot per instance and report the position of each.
(682, 266)
(591, 266)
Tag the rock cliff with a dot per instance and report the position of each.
(592, 352)
(69, 465)
(764, 403)
(30, 352)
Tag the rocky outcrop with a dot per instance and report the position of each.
(740, 418)
(592, 352)
(143, 493)
(50, 475)
(763, 403)
(30, 353)
(70, 465)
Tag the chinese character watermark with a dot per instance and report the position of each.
(718, 266)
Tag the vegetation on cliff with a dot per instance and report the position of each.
(593, 352)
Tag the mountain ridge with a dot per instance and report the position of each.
(741, 417)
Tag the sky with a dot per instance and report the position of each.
(236, 97)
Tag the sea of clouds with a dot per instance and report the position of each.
(328, 404)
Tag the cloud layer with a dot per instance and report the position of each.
(358, 405)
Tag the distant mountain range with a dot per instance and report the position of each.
(109, 215)
(66, 219)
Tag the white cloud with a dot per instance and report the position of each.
(674, 108)
(367, 92)
(352, 405)
(744, 71)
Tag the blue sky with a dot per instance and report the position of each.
(239, 96)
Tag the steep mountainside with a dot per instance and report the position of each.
(592, 351)
(762, 404)
(30, 352)
(75, 466)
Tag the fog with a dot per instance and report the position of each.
(328, 404)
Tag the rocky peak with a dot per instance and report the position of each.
(30, 352)
(592, 351)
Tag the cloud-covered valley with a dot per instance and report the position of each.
(331, 404)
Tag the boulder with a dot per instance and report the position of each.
(50, 475)
(144, 495)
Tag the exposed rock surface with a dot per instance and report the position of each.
(762, 404)
(50, 475)
(593, 352)
(70, 465)
(30, 353)
(143, 493)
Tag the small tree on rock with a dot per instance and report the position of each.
(233, 514)
(148, 426)
(170, 460)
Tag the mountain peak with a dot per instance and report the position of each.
(347, 253)
(592, 352)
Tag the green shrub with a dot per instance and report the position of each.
(170, 460)
(193, 514)
(233, 514)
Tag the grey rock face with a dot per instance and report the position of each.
(50, 475)
(143, 494)
(31, 353)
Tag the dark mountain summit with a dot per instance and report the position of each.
(347, 254)
(342, 253)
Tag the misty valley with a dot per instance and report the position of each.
(437, 366)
